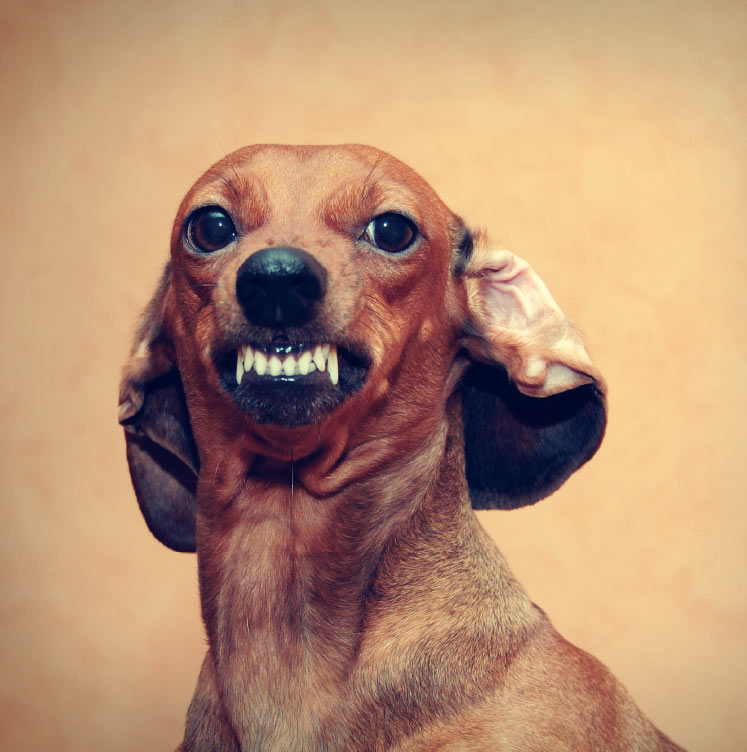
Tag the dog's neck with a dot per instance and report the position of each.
(315, 615)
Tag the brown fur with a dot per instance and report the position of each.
(350, 597)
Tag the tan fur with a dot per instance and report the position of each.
(351, 599)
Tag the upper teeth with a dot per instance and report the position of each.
(308, 360)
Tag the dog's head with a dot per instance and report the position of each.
(321, 296)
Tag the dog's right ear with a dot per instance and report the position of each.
(161, 451)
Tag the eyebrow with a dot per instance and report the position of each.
(242, 195)
(358, 202)
(349, 203)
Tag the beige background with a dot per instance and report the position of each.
(603, 141)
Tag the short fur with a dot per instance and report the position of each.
(350, 597)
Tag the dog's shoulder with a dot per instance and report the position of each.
(557, 696)
(553, 696)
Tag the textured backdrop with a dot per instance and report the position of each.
(603, 141)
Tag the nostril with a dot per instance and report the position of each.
(280, 287)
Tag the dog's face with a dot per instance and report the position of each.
(324, 297)
(306, 276)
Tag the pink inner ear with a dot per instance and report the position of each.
(523, 328)
(514, 296)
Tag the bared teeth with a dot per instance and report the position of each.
(332, 366)
(248, 358)
(260, 363)
(317, 358)
(304, 362)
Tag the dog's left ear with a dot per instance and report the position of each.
(533, 403)
(161, 451)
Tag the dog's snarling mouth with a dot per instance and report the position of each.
(287, 362)
(290, 384)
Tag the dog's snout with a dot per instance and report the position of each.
(280, 287)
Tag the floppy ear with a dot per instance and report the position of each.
(161, 451)
(532, 401)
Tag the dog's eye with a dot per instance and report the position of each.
(210, 229)
(391, 232)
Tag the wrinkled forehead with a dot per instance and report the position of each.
(316, 179)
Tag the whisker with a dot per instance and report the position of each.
(368, 189)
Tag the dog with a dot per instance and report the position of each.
(333, 372)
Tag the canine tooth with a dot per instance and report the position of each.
(239, 367)
(318, 357)
(275, 366)
(304, 362)
(248, 359)
(260, 363)
(332, 365)
(289, 366)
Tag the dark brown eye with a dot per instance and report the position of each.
(210, 229)
(391, 232)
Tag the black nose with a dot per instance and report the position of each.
(280, 287)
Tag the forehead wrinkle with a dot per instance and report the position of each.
(241, 195)
(356, 203)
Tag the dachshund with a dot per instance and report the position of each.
(333, 373)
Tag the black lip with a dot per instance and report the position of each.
(291, 400)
